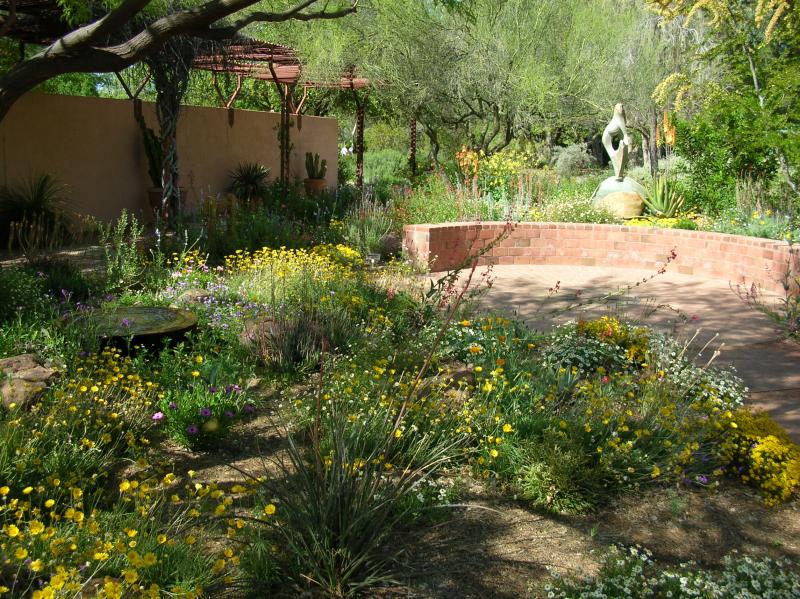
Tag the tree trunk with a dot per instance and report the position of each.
(412, 152)
(360, 146)
(433, 137)
(652, 146)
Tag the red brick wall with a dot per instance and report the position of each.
(716, 255)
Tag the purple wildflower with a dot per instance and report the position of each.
(158, 416)
(126, 322)
(173, 405)
(205, 412)
(192, 429)
(702, 479)
(229, 414)
(249, 408)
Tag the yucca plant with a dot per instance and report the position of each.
(315, 168)
(249, 181)
(41, 199)
(663, 199)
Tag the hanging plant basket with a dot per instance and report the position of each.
(141, 325)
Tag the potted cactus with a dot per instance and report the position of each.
(316, 170)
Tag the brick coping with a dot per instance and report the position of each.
(735, 258)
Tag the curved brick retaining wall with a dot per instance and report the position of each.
(732, 258)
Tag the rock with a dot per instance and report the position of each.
(254, 330)
(391, 245)
(192, 296)
(456, 382)
(24, 380)
(624, 204)
(612, 184)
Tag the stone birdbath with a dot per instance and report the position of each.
(144, 325)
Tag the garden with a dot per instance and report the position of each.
(263, 393)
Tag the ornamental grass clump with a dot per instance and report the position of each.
(755, 449)
(342, 496)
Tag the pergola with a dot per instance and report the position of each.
(248, 58)
(40, 22)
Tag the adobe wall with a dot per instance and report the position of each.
(94, 146)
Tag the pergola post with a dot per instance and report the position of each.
(279, 64)
(283, 135)
(359, 141)
(412, 153)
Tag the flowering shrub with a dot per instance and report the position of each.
(577, 209)
(593, 408)
(339, 254)
(199, 417)
(687, 221)
(633, 573)
(61, 526)
(493, 173)
(605, 343)
(503, 169)
(759, 452)
(759, 223)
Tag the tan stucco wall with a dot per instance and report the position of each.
(94, 146)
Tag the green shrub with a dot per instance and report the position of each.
(573, 160)
(365, 226)
(385, 167)
(340, 500)
(124, 260)
(23, 292)
(759, 223)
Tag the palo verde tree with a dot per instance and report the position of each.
(95, 37)
(498, 70)
(752, 107)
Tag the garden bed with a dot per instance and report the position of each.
(324, 415)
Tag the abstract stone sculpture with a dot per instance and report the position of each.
(619, 194)
(619, 156)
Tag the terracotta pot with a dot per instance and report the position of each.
(314, 187)
(154, 198)
(154, 195)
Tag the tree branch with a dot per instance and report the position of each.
(76, 51)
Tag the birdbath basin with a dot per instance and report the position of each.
(141, 324)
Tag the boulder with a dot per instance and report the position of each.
(391, 245)
(613, 184)
(623, 204)
(255, 330)
(455, 382)
(23, 380)
(192, 296)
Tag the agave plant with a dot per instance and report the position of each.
(249, 181)
(663, 199)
